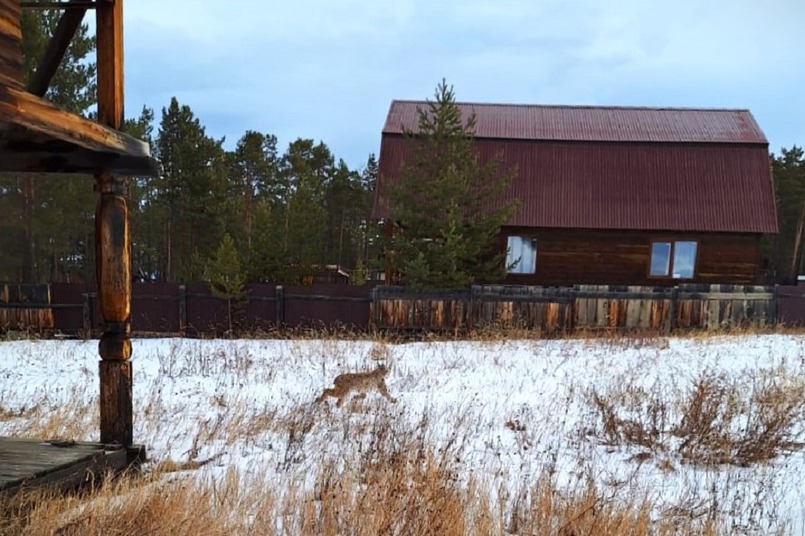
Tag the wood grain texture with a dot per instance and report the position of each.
(112, 258)
(591, 257)
(60, 464)
(116, 402)
(10, 43)
(109, 24)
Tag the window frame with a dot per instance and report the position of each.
(533, 240)
(671, 258)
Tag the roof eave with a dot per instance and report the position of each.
(36, 136)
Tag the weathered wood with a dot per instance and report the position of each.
(113, 241)
(113, 245)
(64, 465)
(35, 158)
(10, 44)
(109, 28)
(116, 402)
(33, 114)
(49, 64)
(86, 314)
(581, 257)
(280, 305)
(182, 309)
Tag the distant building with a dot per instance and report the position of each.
(619, 195)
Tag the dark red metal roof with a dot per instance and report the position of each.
(709, 182)
(588, 123)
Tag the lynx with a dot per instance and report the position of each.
(360, 383)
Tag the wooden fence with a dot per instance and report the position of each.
(166, 308)
(566, 309)
(24, 306)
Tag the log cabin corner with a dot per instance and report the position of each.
(36, 136)
(617, 195)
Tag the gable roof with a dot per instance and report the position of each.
(590, 123)
(614, 168)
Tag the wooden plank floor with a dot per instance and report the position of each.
(64, 465)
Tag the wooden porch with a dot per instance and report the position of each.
(37, 136)
(60, 465)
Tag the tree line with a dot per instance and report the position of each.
(274, 215)
(256, 213)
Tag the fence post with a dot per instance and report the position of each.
(86, 306)
(373, 309)
(182, 310)
(671, 322)
(774, 313)
(280, 304)
(469, 322)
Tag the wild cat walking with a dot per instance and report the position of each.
(359, 383)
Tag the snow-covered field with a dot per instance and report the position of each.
(506, 412)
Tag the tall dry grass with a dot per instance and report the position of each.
(405, 493)
(717, 420)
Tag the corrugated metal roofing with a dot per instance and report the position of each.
(589, 123)
(714, 187)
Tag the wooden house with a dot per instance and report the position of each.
(36, 136)
(618, 195)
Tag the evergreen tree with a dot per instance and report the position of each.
(224, 274)
(371, 231)
(145, 229)
(253, 176)
(190, 193)
(347, 205)
(48, 221)
(307, 169)
(447, 203)
(788, 170)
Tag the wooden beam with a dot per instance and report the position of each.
(44, 160)
(71, 5)
(57, 47)
(26, 112)
(10, 45)
(109, 24)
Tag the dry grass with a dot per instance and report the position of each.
(717, 421)
(405, 492)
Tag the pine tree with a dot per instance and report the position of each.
(785, 252)
(307, 169)
(190, 193)
(224, 274)
(46, 221)
(447, 203)
(253, 177)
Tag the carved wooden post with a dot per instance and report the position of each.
(113, 272)
(112, 240)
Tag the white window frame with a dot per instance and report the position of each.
(671, 271)
(518, 246)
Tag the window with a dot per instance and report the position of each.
(521, 256)
(673, 259)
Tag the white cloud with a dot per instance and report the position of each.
(328, 70)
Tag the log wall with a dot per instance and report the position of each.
(10, 43)
(593, 257)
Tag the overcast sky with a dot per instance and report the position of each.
(329, 69)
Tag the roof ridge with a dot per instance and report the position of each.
(583, 106)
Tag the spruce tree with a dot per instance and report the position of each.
(447, 204)
(225, 276)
